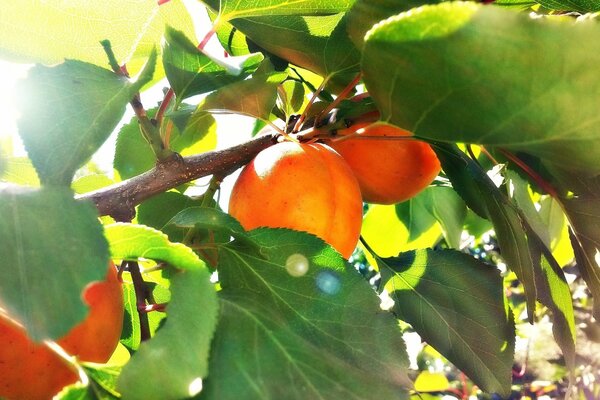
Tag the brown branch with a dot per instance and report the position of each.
(119, 200)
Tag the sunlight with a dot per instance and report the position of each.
(9, 75)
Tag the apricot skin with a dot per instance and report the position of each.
(388, 171)
(32, 371)
(306, 187)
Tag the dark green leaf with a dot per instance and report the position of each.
(173, 363)
(68, 111)
(52, 246)
(448, 79)
(232, 40)
(133, 155)
(457, 304)
(480, 194)
(584, 216)
(130, 242)
(254, 97)
(301, 324)
(192, 72)
(157, 211)
(320, 43)
(551, 284)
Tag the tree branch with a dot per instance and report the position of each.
(119, 200)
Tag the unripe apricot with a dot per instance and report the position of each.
(33, 371)
(306, 187)
(388, 170)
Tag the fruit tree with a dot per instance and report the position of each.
(363, 199)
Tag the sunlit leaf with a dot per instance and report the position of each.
(388, 234)
(68, 111)
(230, 9)
(174, 362)
(48, 32)
(130, 242)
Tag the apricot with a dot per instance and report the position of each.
(306, 187)
(33, 371)
(391, 170)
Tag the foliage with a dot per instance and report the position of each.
(507, 235)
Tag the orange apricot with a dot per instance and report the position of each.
(32, 371)
(306, 187)
(388, 170)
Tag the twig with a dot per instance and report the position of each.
(537, 178)
(119, 200)
(139, 287)
(149, 130)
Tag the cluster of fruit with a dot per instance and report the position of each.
(319, 188)
(36, 371)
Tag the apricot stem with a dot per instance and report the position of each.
(343, 95)
(541, 182)
(300, 121)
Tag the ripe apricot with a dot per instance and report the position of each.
(388, 171)
(33, 371)
(306, 187)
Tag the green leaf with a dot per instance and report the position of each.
(301, 324)
(233, 41)
(457, 304)
(133, 155)
(89, 183)
(208, 218)
(19, 170)
(68, 111)
(254, 97)
(552, 287)
(173, 363)
(584, 217)
(192, 72)
(49, 32)
(481, 195)
(131, 333)
(52, 246)
(366, 13)
(230, 9)
(554, 218)
(431, 382)
(388, 234)
(320, 43)
(434, 204)
(582, 6)
(157, 211)
(448, 79)
(130, 242)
